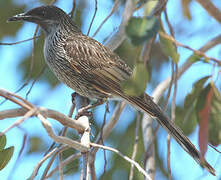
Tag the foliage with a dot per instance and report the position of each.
(5, 153)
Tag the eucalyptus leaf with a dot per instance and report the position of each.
(169, 49)
(136, 85)
(215, 118)
(2, 142)
(5, 156)
(140, 29)
(197, 88)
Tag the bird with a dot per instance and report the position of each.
(93, 70)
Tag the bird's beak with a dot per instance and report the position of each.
(22, 17)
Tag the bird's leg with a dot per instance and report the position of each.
(85, 109)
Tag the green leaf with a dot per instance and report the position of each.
(150, 6)
(197, 88)
(215, 118)
(2, 142)
(169, 49)
(194, 58)
(5, 156)
(136, 85)
(186, 119)
(140, 30)
(201, 99)
(35, 145)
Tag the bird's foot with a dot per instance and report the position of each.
(84, 110)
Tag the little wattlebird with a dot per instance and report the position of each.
(94, 71)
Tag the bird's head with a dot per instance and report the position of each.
(48, 17)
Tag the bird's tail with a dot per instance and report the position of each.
(146, 104)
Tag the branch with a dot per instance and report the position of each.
(124, 157)
(65, 162)
(158, 92)
(63, 119)
(131, 176)
(61, 139)
(162, 87)
(19, 42)
(115, 6)
(110, 125)
(54, 151)
(198, 52)
(211, 9)
(82, 102)
(120, 35)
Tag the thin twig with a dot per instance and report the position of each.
(32, 84)
(31, 63)
(65, 128)
(115, 6)
(60, 166)
(19, 42)
(131, 176)
(174, 80)
(110, 125)
(11, 96)
(64, 163)
(92, 171)
(85, 166)
(161, 87)
(211, 9)
(73, 8)
(124, 157)
(55, 150)
(82, 102)
(61, 139)
(66, 121)
(198, 52)
(120, 35)
(95, 12)
(19, 121)
(106, 131)
(101, 137)
(147, 129)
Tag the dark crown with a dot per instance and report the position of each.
(47, 12)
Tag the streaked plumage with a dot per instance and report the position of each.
(93, 70)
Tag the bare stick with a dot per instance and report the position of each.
(81, 102)
(115, 6)
(120, 35)
(61, 139)
(19, 121)
(19, 42)
(95, 12)
(55, 150)
(198, 52)
(23, 103)
(135, 146)
(60, 166)
(65, 162)
(66, 121)
(211, 9)
(73, 8)
(124, 157)
(110, 125)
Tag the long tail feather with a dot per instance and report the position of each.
(146, 104)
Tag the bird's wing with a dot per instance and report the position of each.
(90, 58)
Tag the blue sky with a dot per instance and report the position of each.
(12, 80)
